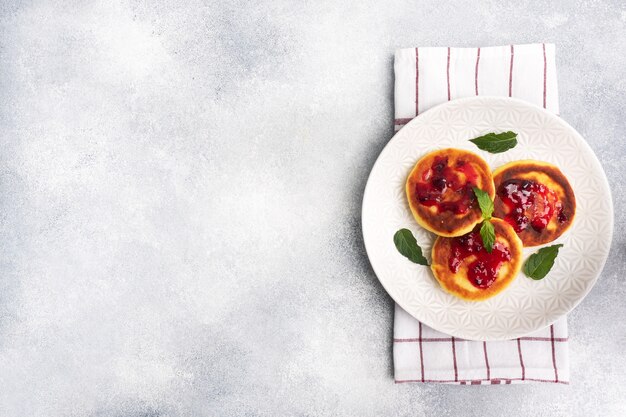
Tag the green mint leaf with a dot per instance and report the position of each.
(485, 203)
(488, 234)
(407, 246)
(539, 264)
(496, 142)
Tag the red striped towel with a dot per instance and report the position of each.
(425, 77)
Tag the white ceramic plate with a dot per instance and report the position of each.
(526, 305)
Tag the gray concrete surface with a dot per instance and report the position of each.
(181, 186)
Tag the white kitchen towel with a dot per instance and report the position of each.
(425, 77)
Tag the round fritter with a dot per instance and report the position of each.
(465, 269)
(440, 191)
(536, 199)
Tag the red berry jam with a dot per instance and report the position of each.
(530, 204)
(483, 270)
(447, 188)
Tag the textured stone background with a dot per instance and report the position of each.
(181, 186)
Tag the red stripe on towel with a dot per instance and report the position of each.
(421, 352)
(521, 360)
(556, 372)
(486, 360)
(402, 121)
(448, 339)
(476, 70)
(448, 73)
(545, 70)
(417, 81)
(511, 74)
(456, 370)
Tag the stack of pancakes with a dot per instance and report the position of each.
(534, 204)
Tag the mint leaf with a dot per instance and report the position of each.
(539, 264)
(488, 234)
(407, 245)
(496, 142)
(485, 203)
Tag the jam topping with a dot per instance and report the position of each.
(447, 188)
(529, 204)
(483, 270)
(560, 216)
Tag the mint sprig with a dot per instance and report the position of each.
(496, 142)
(488, 234)
(487, 231)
